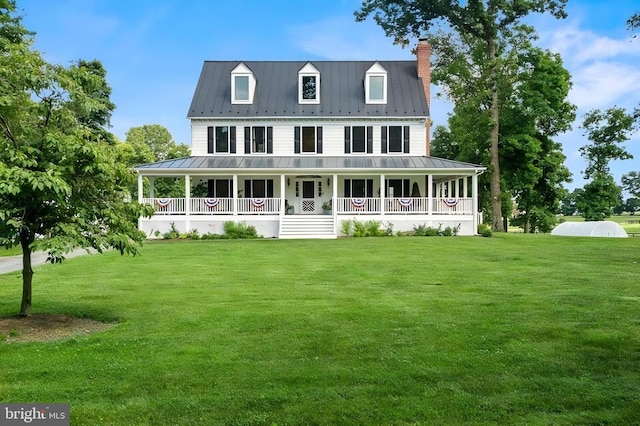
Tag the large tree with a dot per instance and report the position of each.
(150, 143)
(534, 110)
(631, 183)
(473, 21)
(607, 131)
(61, 186)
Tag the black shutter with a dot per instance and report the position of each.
(247, 140)
(369, 139)
(319, 140)
(210, 140)
(211, 188)
(406, 192)
(406, 139)
(383, 135)
(247, 188)
(296, 140)
(269, 140)
(369, 188)
(232, 139)
(269, 188)
(347, 139)
(347, 188)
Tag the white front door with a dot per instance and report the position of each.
(309, 204)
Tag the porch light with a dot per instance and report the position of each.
(328, 181)
(288, 181)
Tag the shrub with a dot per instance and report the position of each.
(172, 234)
(192, 235)
(346, 227)
(484, 230)
(240, 230)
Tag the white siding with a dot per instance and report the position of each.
(332, 135)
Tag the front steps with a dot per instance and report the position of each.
(307, 226)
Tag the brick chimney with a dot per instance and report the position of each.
(423, 56)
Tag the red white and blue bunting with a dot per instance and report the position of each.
(211, 202)
(258, 203)
(405, 202)
(450, 202)
(358, 202)
(163, 202)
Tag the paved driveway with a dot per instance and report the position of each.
(14, 263)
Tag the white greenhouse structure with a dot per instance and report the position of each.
(590, 229)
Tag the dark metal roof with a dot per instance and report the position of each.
(306, 163)
(341, 90)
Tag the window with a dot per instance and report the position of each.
(358, 188)
(307, 140)
(395, 139)
(376, 85)
(221, 140)
(220, 188)
(309, 85)
(358, 139)
(243, 84)
(258, 188)
(398, 188)
(242, 88)
(258, 140)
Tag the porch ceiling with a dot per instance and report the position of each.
(307, 164)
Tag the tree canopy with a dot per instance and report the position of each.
(61, 185)
(485, 27)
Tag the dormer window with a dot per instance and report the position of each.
(309, 85)
(243, 85)
(375, 86)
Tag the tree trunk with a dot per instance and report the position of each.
(496, 202)
(27, 272)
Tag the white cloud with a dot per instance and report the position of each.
(605, 84)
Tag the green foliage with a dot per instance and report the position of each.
(173, 232)
(240, 230)
(346, 227)
(62, 185)
(599, 197)
(631, 183)
(428, 231)
(485, 230)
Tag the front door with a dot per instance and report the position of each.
(308, 197)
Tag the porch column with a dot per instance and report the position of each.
(430, 195)
(474, 201)
(235, 195)
(456, 189)
(187, 201)
(382, 195)
(140, 188)
(334, 197)
(151, 189)
(282, 195)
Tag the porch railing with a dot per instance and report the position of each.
(342, 205)
(212, 206)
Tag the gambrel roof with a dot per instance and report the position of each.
(341, 90)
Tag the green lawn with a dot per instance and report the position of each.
(515, 329)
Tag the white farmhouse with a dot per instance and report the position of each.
(273, 142)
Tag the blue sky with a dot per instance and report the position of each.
(153, 51)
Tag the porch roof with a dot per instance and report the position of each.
(217, 164)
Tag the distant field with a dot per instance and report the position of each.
(514, 329)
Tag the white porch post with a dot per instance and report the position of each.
(474, 202)
(140, 188)
(151, 188)
(456, 188)
(430, 195)
(382, 198)
(334, 196)
(235, 195)
(187, 201)
(282, 195)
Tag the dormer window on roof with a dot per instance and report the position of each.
(309, 85)
(243, 85)
(375, 85)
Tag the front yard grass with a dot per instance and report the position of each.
(515, 329)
